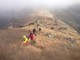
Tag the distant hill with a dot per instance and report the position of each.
(14, 17)
(70, 15)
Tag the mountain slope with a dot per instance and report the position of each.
(70, 16)
(54, 42)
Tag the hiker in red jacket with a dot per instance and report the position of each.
(32, 37)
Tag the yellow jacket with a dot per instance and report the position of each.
(25, 39)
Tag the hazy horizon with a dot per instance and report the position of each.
(21, 4)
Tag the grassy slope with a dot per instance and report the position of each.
(59, 47)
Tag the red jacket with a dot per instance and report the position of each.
(32, 36)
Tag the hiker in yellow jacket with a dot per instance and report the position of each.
(26, 40)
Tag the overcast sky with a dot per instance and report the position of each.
(13, 4)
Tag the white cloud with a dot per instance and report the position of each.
(23, 3)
